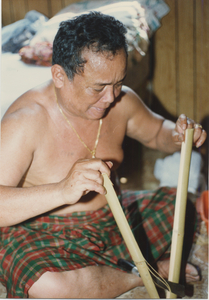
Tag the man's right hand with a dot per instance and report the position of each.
(84, 176)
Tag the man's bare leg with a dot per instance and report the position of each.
(95, 282)
(89, 282)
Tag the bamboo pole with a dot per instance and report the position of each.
(180, 211)
(128, 237)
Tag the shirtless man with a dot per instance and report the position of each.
(48, 134)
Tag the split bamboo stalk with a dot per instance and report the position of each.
(128, 237)
(180, 211)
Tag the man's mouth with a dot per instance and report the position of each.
(100, 109)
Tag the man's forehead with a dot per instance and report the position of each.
(99, 67)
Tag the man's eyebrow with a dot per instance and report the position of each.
(108, 83)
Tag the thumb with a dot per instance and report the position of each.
(109, 163)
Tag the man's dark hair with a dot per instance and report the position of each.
(94, 31)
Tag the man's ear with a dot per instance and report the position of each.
(58, 75)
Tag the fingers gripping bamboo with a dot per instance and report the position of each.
(128, 237)
(180, 210)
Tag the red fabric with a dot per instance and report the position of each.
(39, 54)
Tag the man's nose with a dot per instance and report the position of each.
(109, 95)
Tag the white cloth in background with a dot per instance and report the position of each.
(167, 171)
(141, 19)
(130, 13)
(18, 77)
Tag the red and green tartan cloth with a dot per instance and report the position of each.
(60, 243)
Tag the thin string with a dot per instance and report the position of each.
(158, 276)
(93, 152)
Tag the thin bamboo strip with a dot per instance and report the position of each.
(180, 210)
(128, 237)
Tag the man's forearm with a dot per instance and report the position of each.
(20, 204)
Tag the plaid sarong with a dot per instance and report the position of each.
(68, 242)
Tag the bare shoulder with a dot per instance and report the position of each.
(22, 121)
(131, 101)
(22, 128)
(28, 112)
(129, 105)
(142, 123)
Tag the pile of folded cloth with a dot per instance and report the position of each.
(33, 36)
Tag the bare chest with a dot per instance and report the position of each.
(61, 148)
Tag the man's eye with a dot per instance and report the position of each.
(98, 90)
(119, 85)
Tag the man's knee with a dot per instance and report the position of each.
(67, 284)
(90, 282)
(49, 285)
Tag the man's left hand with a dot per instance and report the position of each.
(182, 124)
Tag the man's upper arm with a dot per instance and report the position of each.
(17, 147)
(143, 124)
